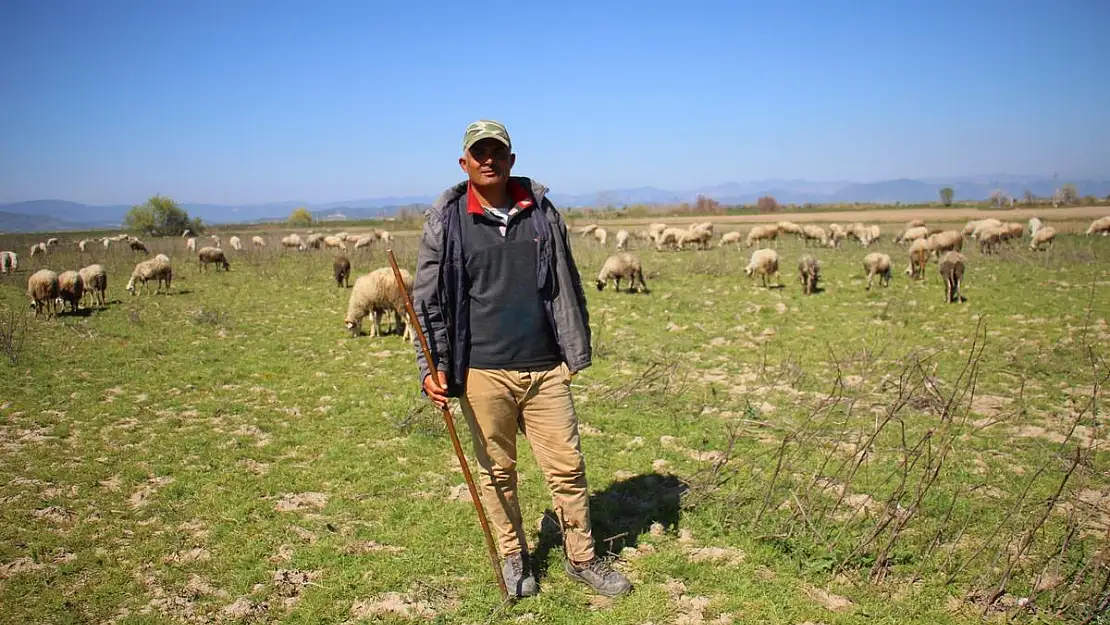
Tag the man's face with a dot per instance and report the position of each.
(487, 162)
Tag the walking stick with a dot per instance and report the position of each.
(451, 430)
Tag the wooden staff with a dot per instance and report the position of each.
(415, 323)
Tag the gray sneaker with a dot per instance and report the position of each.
(597, 574)
(518, 579)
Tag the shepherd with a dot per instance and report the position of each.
(500, 300)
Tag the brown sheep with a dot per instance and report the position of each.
(71, 288)
(877, 264)
(342, 270)
(42, 288)
(951, 268)
(809, 271)
(208, 255)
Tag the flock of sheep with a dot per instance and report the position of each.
(376, 292)
(924, 243)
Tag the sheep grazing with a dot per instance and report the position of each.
(52, 241)
(342, 235)
(314, 241)
(191, 244)
(42, 288)
(622, 266)
(989, 238)
(83, 244)
(186, 233)
(730, 238)
(912, 234)
(765, 262)
(215, 240)
(982, 225)
(341, 268)
(71, 288)
(705, 226)
(1100, 226)
(107, 242)
(761, 233)
(9, 262)
(96, 283)
(945, 241)
(1012, 231)
(951, 268)
(837, 234)
(700, 239)
(38, 248)
(212, 255)
(163, 258)
(383, 235)
(915, 223)
(375, 293)
(587, 229)
(600, 235)
(364, 241)
(153, 269)
(919, 257)
(334, 242)
(809, 271)
(669, 238)
(1035, 225)
(293, 240)
(789, 227)
(138, 246)
(622, 239)
(870, 234)
(1045, 236)
(258, 241)
(877, 264)
(353, 238)
(815, 234)
(654, 230)
(236, 244)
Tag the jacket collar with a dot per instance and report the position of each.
(518, 193)
(458, 190)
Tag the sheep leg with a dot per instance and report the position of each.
(376, 327)
(870, 277)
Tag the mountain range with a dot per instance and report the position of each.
(58, 215)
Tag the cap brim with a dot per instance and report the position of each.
(486, 135)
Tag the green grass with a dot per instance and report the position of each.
(150, 451)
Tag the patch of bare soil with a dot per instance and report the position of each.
(829, 601)
(19, 565)
(296, 502)
(391, 604)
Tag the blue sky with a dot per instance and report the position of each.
(241, 102)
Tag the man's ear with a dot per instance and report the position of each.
(512, 160)
(462, 163)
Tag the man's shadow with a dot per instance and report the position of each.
(619, 514)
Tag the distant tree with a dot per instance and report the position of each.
(999, 198)
(300, 217)
(946, 194)
(708, 206)
(1068, 193)
(767, 204)
(160, 216)
(1029, 197)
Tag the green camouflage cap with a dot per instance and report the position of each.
(485, 129)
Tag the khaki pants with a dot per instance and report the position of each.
(495, 403)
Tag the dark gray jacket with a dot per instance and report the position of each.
(441, 300)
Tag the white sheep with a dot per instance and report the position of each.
(654, 230)
(762, 233)
(38, 248)
(622, 239)
(373, 294)
(42, 288)
(293, 240)
(730, 238)
(951, 268)
(1100, 226)
(982, 225)
(765, 262)
(789, 227)
(71, 288)
(915, 223)
(622, 266)
(314, 241)
(700, 238)
(383, 235)
(1045, 236)
(163, 258)
(83, 244)
(107, 241)
(258, 241)
(212, 255)
(353, 238)
(815, 234)
(877, 264)
(1035, 225)
(52, 241)
(364, 241)
(335, 242)
(912, 234)
(9, 261)
(990, 237)
(600, 235)
(809, 272)
(215, 239)
(705, 226)
(945, 241)
(236, 243)
(153, 269)
(587, 229)
(343, 235)
(96, 282)
(669, 237)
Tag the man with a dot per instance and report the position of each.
(501, 303)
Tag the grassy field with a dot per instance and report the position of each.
(226, 453)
